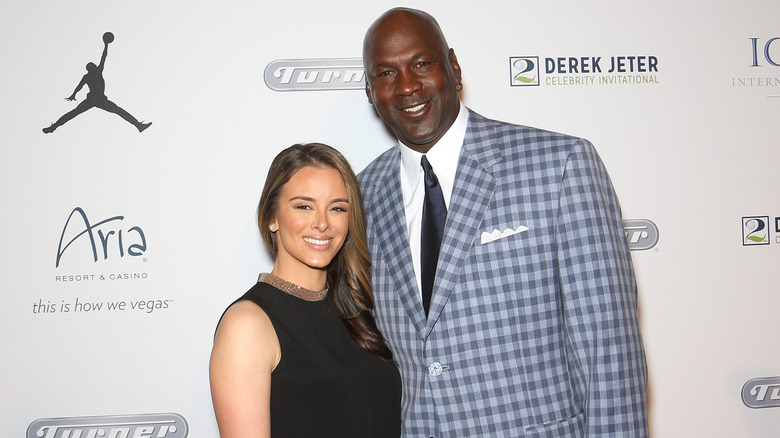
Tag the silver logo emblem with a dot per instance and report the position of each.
(641, 234)
(762, 393)
(315, 74)
(149, 425)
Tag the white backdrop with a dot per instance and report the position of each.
(694, 149)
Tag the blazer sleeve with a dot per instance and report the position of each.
(606, 356)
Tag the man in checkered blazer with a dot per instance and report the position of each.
(532, 329)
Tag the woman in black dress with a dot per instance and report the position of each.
(299, 355)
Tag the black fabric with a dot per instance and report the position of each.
(433, 219)
(325, 385)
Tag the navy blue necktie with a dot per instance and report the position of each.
(433, 218)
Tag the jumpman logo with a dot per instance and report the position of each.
(96, 97)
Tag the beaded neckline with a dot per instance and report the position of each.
(293, 289)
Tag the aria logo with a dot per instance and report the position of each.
(113, 239)
(315, 74)
(524, 71)
(96, 97)
(755, 230)
(642, 234)
(147, 426)
(762, 393)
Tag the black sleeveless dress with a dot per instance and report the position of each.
(325, 385)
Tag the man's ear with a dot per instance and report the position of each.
(454, 64)
(368, 93)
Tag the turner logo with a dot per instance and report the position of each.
(762, 393)
(113, 238)
(315, 74)
(755, 230)
(111, 426)
(641, 234)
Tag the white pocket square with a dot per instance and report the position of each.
(495, 235)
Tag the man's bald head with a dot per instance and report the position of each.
(397, 19)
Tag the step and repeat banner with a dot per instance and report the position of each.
(137, 136)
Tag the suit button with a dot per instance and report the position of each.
(434, 369)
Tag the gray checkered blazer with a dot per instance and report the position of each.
(533, 334)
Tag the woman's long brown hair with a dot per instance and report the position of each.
(349, 277)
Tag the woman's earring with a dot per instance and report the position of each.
(272, 227)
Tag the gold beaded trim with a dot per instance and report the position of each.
(293, 289)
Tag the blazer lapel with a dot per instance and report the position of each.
(393, 238)
(473, 189)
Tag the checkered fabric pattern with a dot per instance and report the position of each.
(536, 333)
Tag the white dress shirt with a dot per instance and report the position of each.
(443, 157)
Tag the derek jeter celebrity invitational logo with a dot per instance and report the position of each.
(584, 70)
(755, 230)
(96, 97)
(524, 71)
